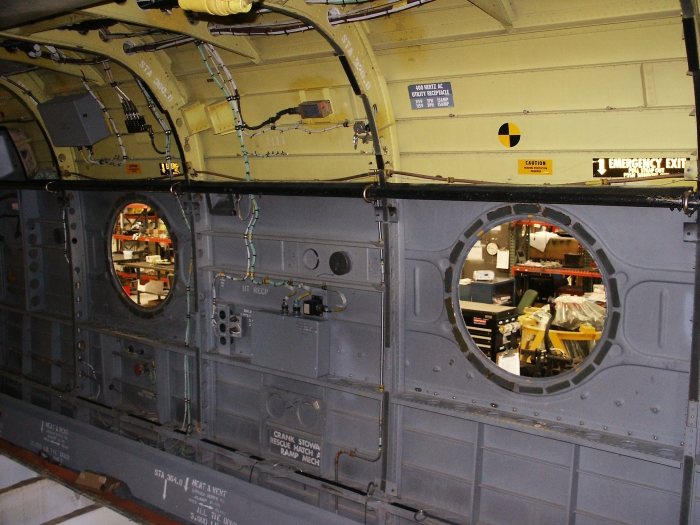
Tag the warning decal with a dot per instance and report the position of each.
(509, 135)
(294, 447)
(535, 167)
(431, 96)
(133, 169)
(638, 167)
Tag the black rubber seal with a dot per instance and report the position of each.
(614, 323)
(473, 228)
(605, 261)
(474, 360)
(557, 387)
(502, 382)
(448, 279)
(603, 352)
(450, 310)
(460, 340)
(500, 212)
(583, 233)
(531, 390)
(456, 251)
(557, 216)
(583, 374)
(528, 209)
(614, 294)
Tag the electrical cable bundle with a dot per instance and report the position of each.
(135, 123)
(294, 26)
(115, 161)
(152, 106)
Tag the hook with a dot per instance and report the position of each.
(686, 203)
(364, 194)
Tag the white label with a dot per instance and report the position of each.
(295, 447)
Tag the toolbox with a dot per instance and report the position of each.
(483, 320)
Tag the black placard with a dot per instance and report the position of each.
(293, 446)
(431, 96)
(638, 167)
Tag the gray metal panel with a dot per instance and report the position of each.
(173, 484)
(458, 446)
(74, 120)
(299, 345)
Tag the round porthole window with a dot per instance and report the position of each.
(534, 300)
(142, 255)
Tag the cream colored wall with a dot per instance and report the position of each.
(580, 79)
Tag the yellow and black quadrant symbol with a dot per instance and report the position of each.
(509, 135)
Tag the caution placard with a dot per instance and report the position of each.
(133, 169)
(535, 167)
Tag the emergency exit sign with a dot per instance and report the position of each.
(638, 167)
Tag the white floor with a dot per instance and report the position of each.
(28, 498)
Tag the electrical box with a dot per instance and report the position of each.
(314, 306)
(298, 345)
(10, 162)
(74, 120)
(315, 109)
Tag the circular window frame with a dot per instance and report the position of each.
(146, 312)
(481, 364)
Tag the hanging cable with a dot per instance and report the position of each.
(272, 120)
(287, 27)
(166, 129)
(130, 48)
(135, 122)
(187, 417)
(115, 161)
(21, 88)
(299, 127)
(343, 300)
(223, 79)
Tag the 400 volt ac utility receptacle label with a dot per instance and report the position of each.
(431, 96)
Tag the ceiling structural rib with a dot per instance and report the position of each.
(175, 22)
(51, 23)
(350, 43)
(89, 72)
(150, 67)
(501, 10)
(16, 12)
(29, 92)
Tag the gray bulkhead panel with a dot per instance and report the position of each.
(291, 409)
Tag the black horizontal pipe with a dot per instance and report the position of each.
(651, 197)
